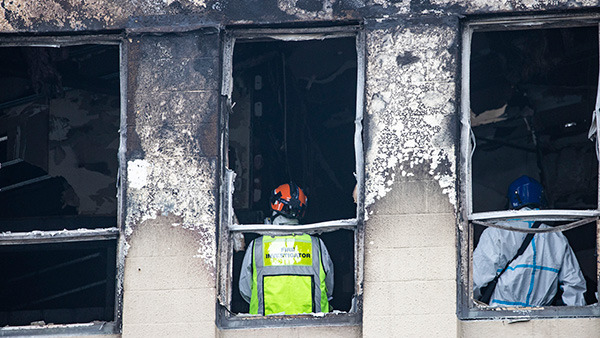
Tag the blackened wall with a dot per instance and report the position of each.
(171, 52)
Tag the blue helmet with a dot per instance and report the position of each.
(526, 192)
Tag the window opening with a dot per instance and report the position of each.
(293, 118)
(531, 97)
(59, 139)
(532, 94)
(3, 148)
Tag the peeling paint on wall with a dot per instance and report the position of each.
(410, 105)
(71, 14)
(137, 173)
(65, 15)
(473, 5)
(172, 166)
(402, 6)
(307, 9)
(80, 15)
(166, 185)
(178, 188)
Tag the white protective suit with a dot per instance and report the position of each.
(532, 278)
(245, 283)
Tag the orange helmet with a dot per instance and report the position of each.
(289, 200)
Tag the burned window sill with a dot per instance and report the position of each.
(526, 313)
(95, 328)
(246, 321)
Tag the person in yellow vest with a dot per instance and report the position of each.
(287, 274)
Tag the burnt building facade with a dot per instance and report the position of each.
(140, 141)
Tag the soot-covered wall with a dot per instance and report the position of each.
(172, 73)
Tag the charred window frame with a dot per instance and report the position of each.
(350, 227)
(79, 250)
(474, 216)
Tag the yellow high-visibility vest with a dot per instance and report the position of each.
(287, 276)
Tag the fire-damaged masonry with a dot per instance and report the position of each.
(411, 105)
(140, 142)
(176, 176)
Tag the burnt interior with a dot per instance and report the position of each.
(293, 120)
(59, 137)
(58, 283)
(532, 97)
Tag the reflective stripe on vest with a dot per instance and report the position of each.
(288, 276)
